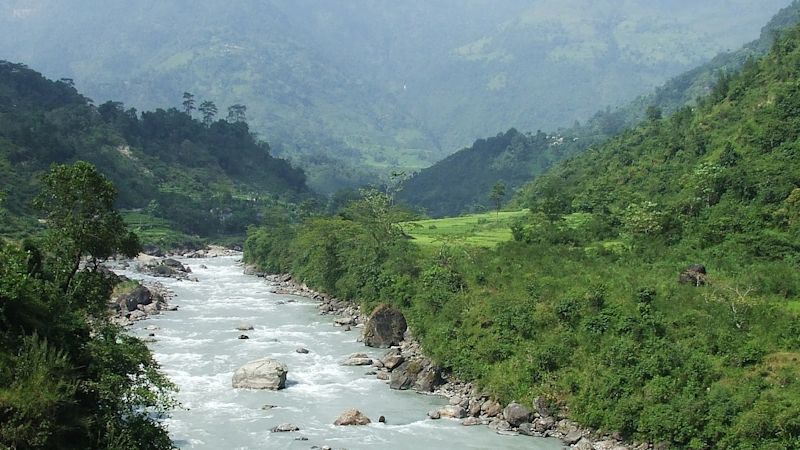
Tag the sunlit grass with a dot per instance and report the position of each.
(480, 230)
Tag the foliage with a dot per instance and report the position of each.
(207, 180)
(68, 377)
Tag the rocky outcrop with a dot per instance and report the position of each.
(517, 414)
(352, 417)
(130, 301)
(418, 374)
(264, 373)
(164, 268)
(138, 303)
(385, 327)
(694, 275)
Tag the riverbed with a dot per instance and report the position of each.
(198, 347)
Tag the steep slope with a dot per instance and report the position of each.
(357, 89)
(205, 178)
(461, 182)
(725, 173)
(652, 294)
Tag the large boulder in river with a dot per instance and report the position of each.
(385, 327)
(264, 373)
(352, 417)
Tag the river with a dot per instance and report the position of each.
(198, 348)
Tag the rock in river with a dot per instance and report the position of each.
(352, 417)
(285, 427)
(385, 327)
(357, 359)
(138, 296)
(264, 373)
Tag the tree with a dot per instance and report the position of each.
(397, 180)
(209, 111)
(654, 113)
(78, 203)
(188, 103)
(237, 113)
(381, 219)
(497, 195)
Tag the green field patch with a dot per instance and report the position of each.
(156, 231)
(480, 230)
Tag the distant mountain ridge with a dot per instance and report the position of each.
(207, 180)
(353, 90)
(461, 182)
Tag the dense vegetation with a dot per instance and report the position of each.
(353, 89)
(461, 182)
(206, 179)
(583, 308)
(68, 377)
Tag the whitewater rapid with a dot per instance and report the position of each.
(198, 347)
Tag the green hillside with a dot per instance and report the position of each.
(461, 182)
(204, 180)
(597, 307)
(352, 90)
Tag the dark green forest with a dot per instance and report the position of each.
(584, 307)
(206, 177)
(461, 182)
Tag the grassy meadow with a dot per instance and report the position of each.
(479, 230)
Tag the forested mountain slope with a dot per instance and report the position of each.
(652, 293)
(357, 89)
(461, 182)
(206, 179)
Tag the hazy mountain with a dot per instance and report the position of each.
(204, 179)
(352, 89)
(462, 181)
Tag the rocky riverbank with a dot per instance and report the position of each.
(404, 366)
(138, 300)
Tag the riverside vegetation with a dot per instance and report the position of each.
(69, 377)
(583, 308)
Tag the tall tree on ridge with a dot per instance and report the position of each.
(188, 103)
(209, 111)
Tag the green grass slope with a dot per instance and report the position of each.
(479, 230)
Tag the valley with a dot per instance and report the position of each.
(624, 277)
